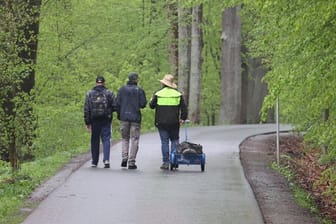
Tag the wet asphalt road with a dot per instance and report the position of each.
(149, 195)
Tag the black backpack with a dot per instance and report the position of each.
(189, 148)
(99, 104)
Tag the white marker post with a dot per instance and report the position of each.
(277, 131)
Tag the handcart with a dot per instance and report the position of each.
(187, 153)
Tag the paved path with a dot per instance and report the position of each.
(149, 195)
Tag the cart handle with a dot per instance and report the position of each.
(185, 124)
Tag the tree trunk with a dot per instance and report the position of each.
(184, 51)
(254, 90)
(23, 34)
(173, 37)
(28, 54)
(195, 65)
(231, 78)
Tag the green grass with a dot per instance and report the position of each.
(302, 198)
(16, 187)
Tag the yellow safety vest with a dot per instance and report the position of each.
(168, 97)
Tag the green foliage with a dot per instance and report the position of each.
(210, 93)
(119, 37)
(296, 41)
(328, 180)
(60, 131)
(82, 39)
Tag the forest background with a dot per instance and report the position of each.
(51, 52)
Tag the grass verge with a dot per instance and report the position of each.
(16, 187)
(303, 198)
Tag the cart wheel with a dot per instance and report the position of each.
(202, 167)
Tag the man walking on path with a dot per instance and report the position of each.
(98, 108)
(170, 111)
(130, 100)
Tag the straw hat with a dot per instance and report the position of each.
(168, 80)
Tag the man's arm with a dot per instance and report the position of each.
(143, 100)
(113, 102)
(87, 111)
(153, 102)
(184, 109)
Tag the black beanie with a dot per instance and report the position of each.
(133, 77)
(100, 79)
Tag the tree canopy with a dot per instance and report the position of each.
(296, 41)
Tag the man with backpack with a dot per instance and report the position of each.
(98, 108)
(130, 100)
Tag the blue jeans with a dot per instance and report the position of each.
(100, 130)
(167, 135)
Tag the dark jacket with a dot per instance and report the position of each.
(169, 107)
(130, 99)
(111, 107)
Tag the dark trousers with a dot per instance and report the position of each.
(100, 130)
(168, 134)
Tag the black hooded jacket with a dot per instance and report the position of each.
(130, 99)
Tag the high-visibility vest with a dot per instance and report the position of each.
(168, 97)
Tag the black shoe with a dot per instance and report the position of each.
(106, 164)
(124, 163)
(132, 167)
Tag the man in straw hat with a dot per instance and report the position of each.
(170, 111)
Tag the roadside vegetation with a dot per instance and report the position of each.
(306, 176)
(16, 188)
